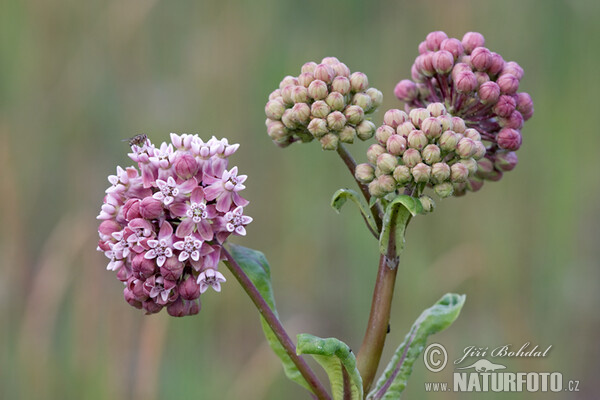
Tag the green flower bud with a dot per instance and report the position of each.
(378, 172)
(427, 203)
(472, 134)
(446, 121)
(436, 109)
(480, 150)
(459, 173)
(305, 79)
(417, 140)
(394, 117)
(301, 113)
(329, 141)
(365, 130)
(421, 172)
(485, 167)
(317, 90)
(277, 131)
(444, 189)
(471, 165)
(506, 161)
(274, 109)
(383, 133)
(387, 183)
(359, 82)
(376, 97)
(458, 125)
(354, 114)
(405, 128)
(373, 152)
(336, 121)
(417, 115)
(364, 173)
(431, 127)
(362, 100)
(466, 148)
(396, 144)
(288, 119)
(448, 141)
(402, 175)
(431, 154)
(336, 101)
(386, 163)
(375, 189)
(459, 189)
(348, 134)
(411, 157)
(318, 127)
(341, 85)
(303, 134)
(440, 172)
(474, 184)
(319, 109)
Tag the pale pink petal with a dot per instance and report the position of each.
(224, 202)
(150, 255)
(197, 195)
(185, 228)
(178, 209)
(240, 230)
(184, 256)
(161, 260)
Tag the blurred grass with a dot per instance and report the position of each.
(79, 76)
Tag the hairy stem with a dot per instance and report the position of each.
(351, 164)
(276, 326)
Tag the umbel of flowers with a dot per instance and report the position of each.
(325, 102)
(163, 229)
(477, 85)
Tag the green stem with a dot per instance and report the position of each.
(276, 326)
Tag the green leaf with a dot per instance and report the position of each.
(256, 266)
(435, 319)
(342, 195)
(333, 355)
(402, 207)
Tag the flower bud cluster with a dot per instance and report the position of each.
(325, 102)
(163, 230)
(477, 85)
(425, 148)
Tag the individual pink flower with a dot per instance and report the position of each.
(169, 191)
(195, 215)
(210, 278)
(236, 221)
(225, 190)
(189, 247)
(160, 289)
(161, 248)
(163, 159)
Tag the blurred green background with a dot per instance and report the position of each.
(79, 76)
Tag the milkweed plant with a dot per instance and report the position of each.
(165, 224)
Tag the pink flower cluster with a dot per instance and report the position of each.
(163, 229)
(477, 85)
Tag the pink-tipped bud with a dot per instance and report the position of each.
(330, 60)
(496, 65)
(432, 128)
(340, 69)
(299, 94)
(405, 128)
(359, 82)
(336, 121)
(373, 152)
(509, 139)
(506, 161)
(447, 122)
(394, 117)
(376, 97)
(513, 68)
(442, 61)
(402, 174)
(454, 46)
(481, 58)
(386, 163)
(362, 100)
(489, 92)
(151, 208)
(472, 40)
(319, 109)
(440, 172)
(301, 113)
(411, 157)
(417, 140)
(336, 101)
(444, 189)
(458, 125)
(425, 64)
(482, 77)
(309, 67)
(364, 173)
(459, 173)
(341, 85)
(449, 140)
(396, 144)
(480, 151)
(431, 154)
(427, 203)
(423, 47)
(277, 131)
(418, 115)
(275, 94)
(485, 167)
(286, 94)
(288, 119)
(324, 72)
(365, 130)
(305, 78)
(329, 142)
(508, 83)
(383, 133)
(274, 109)
(317, 90)
(466, 148)
(460, 67)
(189, 289)
(465, 82)
(436, 109)
(185, 166)
(421, 172)
(471, 165)
(434, 39)
(505, 106)
(525, 105)
(416, 75)
(354, 114)
(288, 81)
(318, 127)
(472, 134)
(406, 90)
(347, 134)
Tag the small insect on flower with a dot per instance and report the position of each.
(137, 140)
